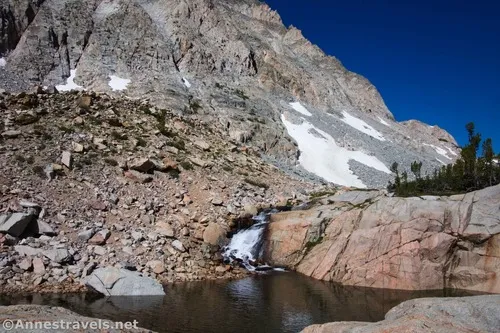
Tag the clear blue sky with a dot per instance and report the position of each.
(435, 61)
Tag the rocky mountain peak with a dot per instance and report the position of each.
(232, 62)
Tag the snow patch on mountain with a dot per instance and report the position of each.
(361, 126)
(3, 62)
(300, 108)
(320, 155)
(186, 82)
(70, 83)
(451, 151)
(117, 83)
(439, 150)
(383, 122)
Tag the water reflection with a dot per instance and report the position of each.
(280, 302)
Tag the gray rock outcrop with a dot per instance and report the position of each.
(439, 315)
(112, 281)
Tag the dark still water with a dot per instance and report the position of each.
(279, 302)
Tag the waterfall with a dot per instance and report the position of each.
(246, 246)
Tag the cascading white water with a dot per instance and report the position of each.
(246, 246)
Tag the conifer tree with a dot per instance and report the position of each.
(469, 172)
(488, 155)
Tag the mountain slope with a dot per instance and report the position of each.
(233, 62)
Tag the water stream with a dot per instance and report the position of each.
(246, 246)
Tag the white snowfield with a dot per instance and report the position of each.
(440, 150)
(117, 83)
(3, 62)
(320, 155)
(451, 151)
(186, 82)
(361, 126)
(300, 108)
(383, 122)
(70, 83)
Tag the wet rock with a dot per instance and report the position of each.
(251, 210)
(111, 281)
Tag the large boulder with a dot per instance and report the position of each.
(214, 234)
(396, 243)
(438, 315)
(112, 281)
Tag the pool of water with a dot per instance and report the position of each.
(277, 302)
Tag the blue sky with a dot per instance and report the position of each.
(435, 61)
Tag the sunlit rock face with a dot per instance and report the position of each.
(369, 239)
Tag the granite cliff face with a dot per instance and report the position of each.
(368, 239)
(235, 63)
